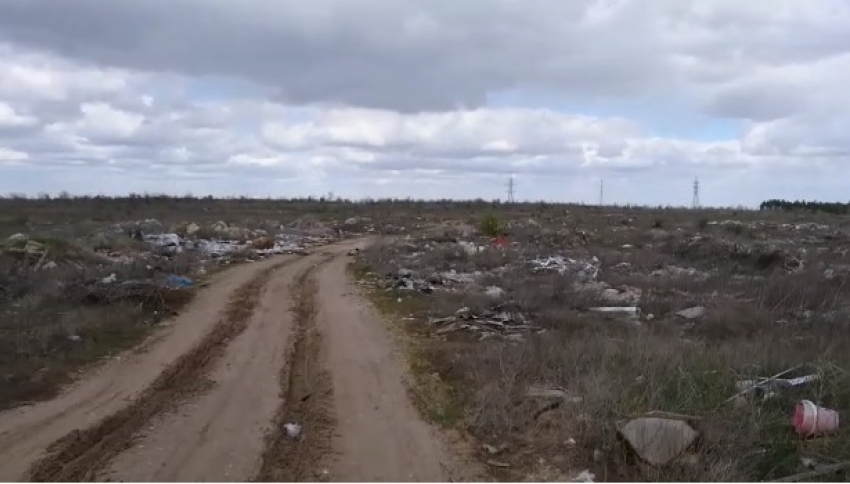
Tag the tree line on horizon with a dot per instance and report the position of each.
(805, 205)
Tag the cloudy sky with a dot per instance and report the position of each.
(430, 99)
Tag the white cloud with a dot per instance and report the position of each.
(11, 119)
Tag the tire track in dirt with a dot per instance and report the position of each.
(307, 395)
(80, 454)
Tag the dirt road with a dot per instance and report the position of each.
(280, 341)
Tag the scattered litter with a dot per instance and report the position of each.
(494, 292)
(679, 272)
(748, 387)
(469, 247)
(631, 311)
(559, 397)
(293, 430)
(626, 295)
(165, 240)
(354, 251)
(812, 420)
(536, 391)
(494, 450)
(110, 279)
(583, 270)
(459, 278)
(503, 319)
(768, 388)
(17, 237)
(584, 476)
(692, 313)
(75, 337)
(658, 441)
(178, 282)
(49, 265)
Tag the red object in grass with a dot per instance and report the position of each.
(500, 242)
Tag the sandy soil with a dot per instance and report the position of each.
(284, 340)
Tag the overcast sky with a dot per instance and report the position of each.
(428, 98)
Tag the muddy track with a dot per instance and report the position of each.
(80, 454)
(307, 396)
(263, 346)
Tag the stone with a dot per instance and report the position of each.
(657, 440)
(692, 313)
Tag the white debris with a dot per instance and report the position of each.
(17, 237)
(494, 292)
(675, 271)
(459, 277)
(628, 310)
(587, 270)
(584, 476)
(692, 313)
(109, 280)
(469, 247)
(165, 240)
(628, 295)
(768, 388)
(293, 430)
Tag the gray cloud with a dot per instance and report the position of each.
(268, 97)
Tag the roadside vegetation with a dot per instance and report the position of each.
(545, 383)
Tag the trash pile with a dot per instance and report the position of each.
(581, 269)
(408, 280)
(223, 249)
(503, 319)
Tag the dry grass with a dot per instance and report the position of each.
(763, 315)
(53, 323)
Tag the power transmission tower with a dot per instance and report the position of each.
(511, 187)
(696, 193)
(601, 192)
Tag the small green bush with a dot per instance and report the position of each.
(491, 226)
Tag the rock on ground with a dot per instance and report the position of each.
(657, 440)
